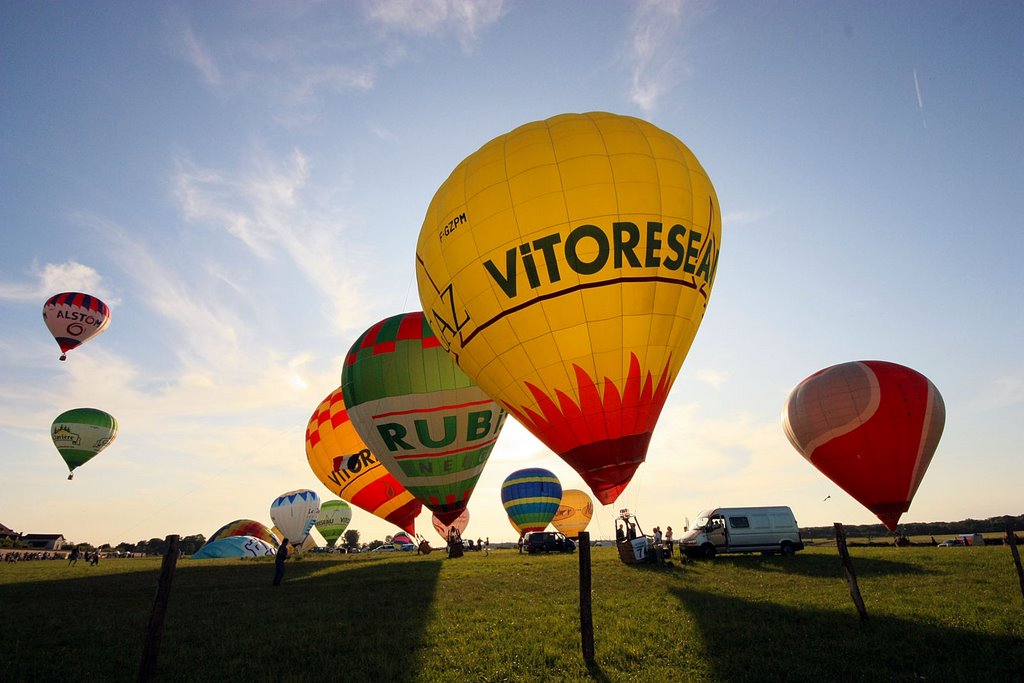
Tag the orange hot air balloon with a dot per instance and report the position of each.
(566, 267)
(342, 462)
(871, 427)
(574, 513)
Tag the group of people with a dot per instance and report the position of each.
(661, 541)
(91, 556)
(17, 556)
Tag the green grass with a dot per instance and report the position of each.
(951, 614)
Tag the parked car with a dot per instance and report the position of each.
(548, 541)
(952, 542)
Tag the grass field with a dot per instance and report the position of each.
(950, 614)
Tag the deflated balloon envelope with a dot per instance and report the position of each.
(872, 427)
(342, 461)
(245, 527)
(430, 425)
(566, 267)
(234, 547)
(531, 498)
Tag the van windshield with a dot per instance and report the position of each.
(701, 522)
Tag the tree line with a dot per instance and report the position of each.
(964, 526)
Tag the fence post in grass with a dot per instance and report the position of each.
(851, 577)
(586, 614)
(151, 649)
(1011, 538)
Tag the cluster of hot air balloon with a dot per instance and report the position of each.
(563, 270)
(294, 515)
(79, 434)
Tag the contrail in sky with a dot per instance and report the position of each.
(920, 102)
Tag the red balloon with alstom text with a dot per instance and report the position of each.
(871, 427)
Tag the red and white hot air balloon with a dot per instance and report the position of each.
(871, 427)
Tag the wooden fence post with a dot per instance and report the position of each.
(586, 613)
(851, 577)
(1011, 537)
(151, 649)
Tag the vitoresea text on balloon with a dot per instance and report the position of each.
(587, 250)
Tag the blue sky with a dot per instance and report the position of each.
(244, 183)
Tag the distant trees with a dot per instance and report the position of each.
(964, 526)
(190, 544)
(158, 546)
(351, 537)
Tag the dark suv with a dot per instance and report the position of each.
(548, 541)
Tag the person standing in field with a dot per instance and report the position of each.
(668, 540)
(282, 555)
(73, 557)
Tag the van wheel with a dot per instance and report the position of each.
(787, 549)
(707, 551)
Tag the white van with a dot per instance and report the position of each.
(743, 530)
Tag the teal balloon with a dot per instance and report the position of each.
(531, 498)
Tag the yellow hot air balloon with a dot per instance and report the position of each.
(566, 267)
(574, 513)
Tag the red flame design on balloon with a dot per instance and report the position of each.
(605, 436)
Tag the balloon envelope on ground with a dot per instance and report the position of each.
(294, 513)
(574, 513)
(245, 527)
(566, 267)
(430, 425)
(333, 519)
(343, 462)
(871, 427)
(234, 547)
(80, 434)
(531, 497)
(73, 318)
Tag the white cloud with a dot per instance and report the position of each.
(713, 378)
(198, 55)
(276, 210)
(54, 278)
(202, 328)
(308, 82)
(746, 217)
(655, 49)
(1004, 392)
(462, 18)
